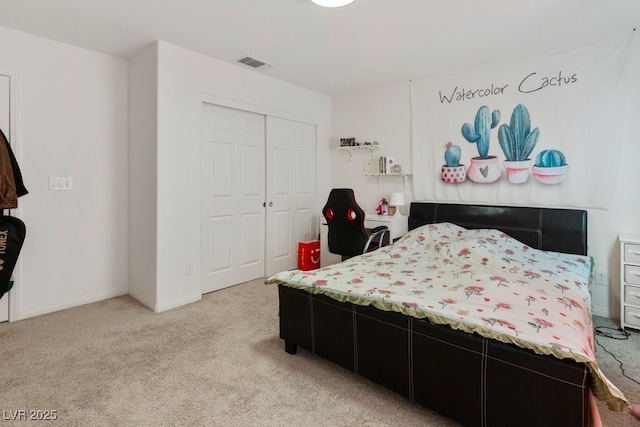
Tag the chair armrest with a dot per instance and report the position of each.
(375, 232)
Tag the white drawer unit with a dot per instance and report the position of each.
(630, 278)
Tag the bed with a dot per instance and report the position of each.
(487, 370)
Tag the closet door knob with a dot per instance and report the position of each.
(270, 204)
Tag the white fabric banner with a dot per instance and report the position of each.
(564, 112)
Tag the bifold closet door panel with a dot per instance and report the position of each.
(233, 195)
(292, 215)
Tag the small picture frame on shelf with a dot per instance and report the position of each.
(389, 163)
(396, 169)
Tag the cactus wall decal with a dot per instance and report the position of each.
(517, 140)
(550, 167)
(550, 159)
(453, 172)
(479, 132)
(452, 155)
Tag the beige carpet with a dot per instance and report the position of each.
(216, 362)
(627, 351)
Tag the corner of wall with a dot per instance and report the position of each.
(143, 137)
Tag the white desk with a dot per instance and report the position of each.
(398, 225)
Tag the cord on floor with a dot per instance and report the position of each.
(616, 334)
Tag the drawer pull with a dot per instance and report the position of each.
(634, 294)
(634, 272)
(634, 251)
(635, 315)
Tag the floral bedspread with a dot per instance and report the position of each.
(480, 281)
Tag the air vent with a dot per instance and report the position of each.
(254, 63)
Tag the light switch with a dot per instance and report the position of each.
(60, 183)
(54, 183)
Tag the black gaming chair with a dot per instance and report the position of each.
(347, 234)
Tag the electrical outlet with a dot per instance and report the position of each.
(188, 268)
(602, 278)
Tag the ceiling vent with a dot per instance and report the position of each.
(254, 63)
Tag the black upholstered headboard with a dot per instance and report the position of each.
(558, 230)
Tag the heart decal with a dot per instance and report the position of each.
(484, 171)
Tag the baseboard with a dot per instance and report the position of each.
(149, 304)
(21, 315)
(600, 311)
(177, 302)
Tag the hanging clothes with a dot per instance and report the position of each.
(12, 229)
(11, 184)
(12, 234)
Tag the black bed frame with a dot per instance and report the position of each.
(473, 380)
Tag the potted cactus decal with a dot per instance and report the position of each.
(550, 167)
(452, 172)
(517, 141)
(484, 168)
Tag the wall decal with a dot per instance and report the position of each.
(452, 171)
(525, 130)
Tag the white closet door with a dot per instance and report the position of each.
(291, 191)
(233, 194)
(5, 82)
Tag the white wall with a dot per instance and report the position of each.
(143, 159)
(185, 80)
(379, 114)
(383, 114)
(71, 120)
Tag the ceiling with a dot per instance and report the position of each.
(331, 51)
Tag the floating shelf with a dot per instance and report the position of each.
(351, 149)
(405, 176)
